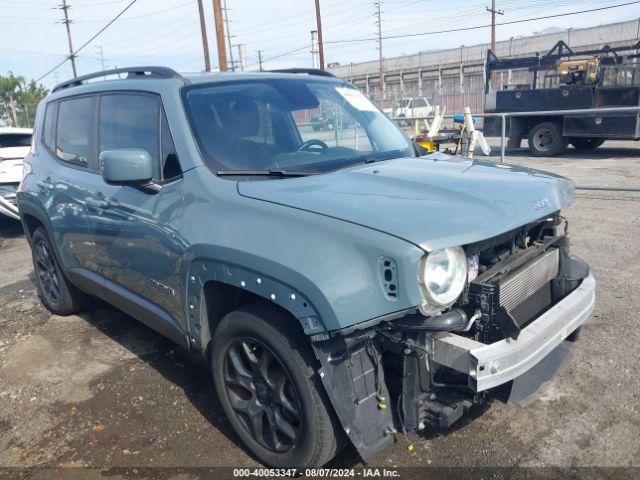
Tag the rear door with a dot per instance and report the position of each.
(138, 244)
(66, 173)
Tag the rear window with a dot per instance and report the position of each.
(74, 131)
(8, 140)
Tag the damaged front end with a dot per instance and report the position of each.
(523, 296)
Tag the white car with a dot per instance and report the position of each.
(410, 107)
(14, 146)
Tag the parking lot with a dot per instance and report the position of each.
(101, 389)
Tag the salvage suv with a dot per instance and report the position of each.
(339, 286)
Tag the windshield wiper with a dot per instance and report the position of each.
(264, 173)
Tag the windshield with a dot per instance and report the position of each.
(306, 126)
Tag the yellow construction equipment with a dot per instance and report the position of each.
(578, 72)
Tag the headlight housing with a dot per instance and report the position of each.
(442, 277)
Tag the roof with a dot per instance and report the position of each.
(134, 74)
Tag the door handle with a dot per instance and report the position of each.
(46, 185)
(95, 203)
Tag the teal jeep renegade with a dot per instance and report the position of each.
(339, 285)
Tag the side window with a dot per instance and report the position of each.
(419, 103)
(170, 164)
(130, 121)
(49, 123)
(73, 136)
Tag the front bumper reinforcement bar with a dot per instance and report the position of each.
(489, 366)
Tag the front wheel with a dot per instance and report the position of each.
(265, 376)
(586, 143)
(546, 140)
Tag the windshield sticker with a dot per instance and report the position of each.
(356, 99)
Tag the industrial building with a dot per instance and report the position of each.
(455, 77)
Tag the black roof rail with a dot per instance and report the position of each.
(308, 71)
(132, 72)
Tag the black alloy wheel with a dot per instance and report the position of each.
(55, 291)
(47, 272)
(262, 395)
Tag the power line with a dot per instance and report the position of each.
(435, 32)
(92, 38)
(285, 54)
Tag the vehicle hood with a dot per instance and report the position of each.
(434, 202)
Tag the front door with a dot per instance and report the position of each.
(138, 243)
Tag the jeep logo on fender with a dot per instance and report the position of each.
(541, 203)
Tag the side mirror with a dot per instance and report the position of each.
(126, 166)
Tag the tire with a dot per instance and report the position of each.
(546, 140)
(586, 143)
(57, 294)
(575, 335)
(291, 389)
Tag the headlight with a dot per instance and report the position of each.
(443, 276)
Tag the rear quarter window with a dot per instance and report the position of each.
(49, 124)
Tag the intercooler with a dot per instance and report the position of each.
(509, 302)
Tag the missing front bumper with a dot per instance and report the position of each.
(489, 366)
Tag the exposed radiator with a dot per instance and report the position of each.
(517, 288)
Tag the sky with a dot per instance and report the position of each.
(167, 32)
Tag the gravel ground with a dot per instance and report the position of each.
(102, 390)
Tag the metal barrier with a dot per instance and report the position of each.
(542, 113)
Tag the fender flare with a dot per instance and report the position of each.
(281, 286)
(27, 207)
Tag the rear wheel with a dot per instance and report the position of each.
(586, 143)
(55, 291)
(265, 376)
(546, 140)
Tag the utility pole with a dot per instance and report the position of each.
(99, 47)
(65, 8)
(220, 40)
(260, 59)
(381, 58)
(494, 12)
(205, 42)
(314, 49)
(226, 23)
(320, 44)
(242, 56)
